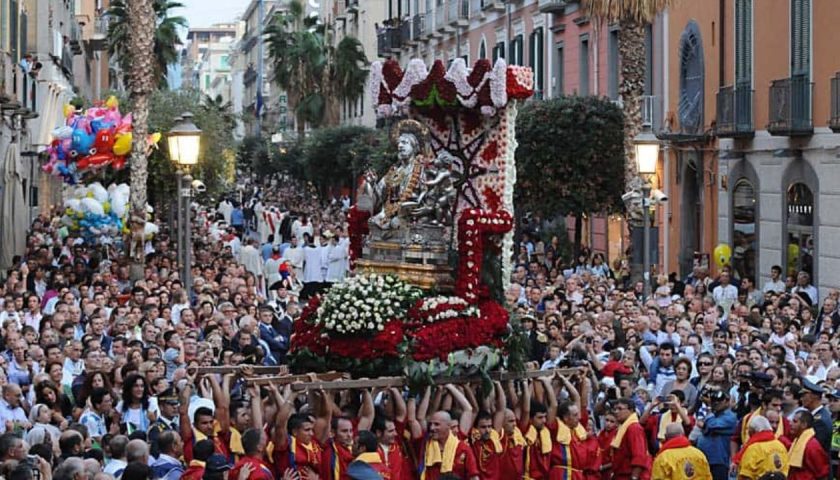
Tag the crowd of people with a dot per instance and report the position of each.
(707, 377)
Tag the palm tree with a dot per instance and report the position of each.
(315, 75)
(219, 105)
(166, 38)
(141, 83)
(632, 17)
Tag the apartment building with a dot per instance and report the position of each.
(206, 59)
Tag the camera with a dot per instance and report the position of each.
(658, 196)
(199, 186)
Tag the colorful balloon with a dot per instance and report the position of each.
(122, 143)
(722, 254)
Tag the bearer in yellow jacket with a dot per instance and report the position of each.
(678, 460)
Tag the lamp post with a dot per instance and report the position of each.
(647, 156)
(184, 141)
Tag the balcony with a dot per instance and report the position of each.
(440, 20)
(351, 6)
(249, 40)
(430, 25)
(735, 112)
(405, 33)
(419, 27)
(552, 6)
(477, 8)
(791, 107)
(494, 5)
(75, 38)
(99, 40)
(459, 13)
(388, 39)
(834, 122)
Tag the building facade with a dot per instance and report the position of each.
(206, 59)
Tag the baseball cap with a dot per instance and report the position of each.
(217, 463)
(718, 395)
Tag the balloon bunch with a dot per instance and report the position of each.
(92, 140)
(97, 213)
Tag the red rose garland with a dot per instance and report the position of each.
(474, 227)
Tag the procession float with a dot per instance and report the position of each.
(431, 239)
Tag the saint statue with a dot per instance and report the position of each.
(392, 198)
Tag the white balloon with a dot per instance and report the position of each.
(99, 192)
(92, 206)
(73, 204)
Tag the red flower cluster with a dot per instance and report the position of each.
(440, 339)
(392, 74)
(357, 228)
(383, 344)
(516, 89)
(306, 333)
(474, 227)
(445, 89)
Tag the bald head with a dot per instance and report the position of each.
(674, 430)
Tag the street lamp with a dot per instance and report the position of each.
(184, 142)
(647, 156)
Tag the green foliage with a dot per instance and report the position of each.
(253, 152)
(216, 156)
(570, 158)
(333, 157)
(166, 36)
(315, 74)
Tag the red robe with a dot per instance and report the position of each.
(538, 464)
(335, 458)
(488, 461)
(260, 471)
(815, 463)
(397, 461)
(605, 437)
(512, 461)
(580, 460)
(302, 457)
(632, 452)
(464, 467)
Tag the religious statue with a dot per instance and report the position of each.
(438, 199)
(393, 198)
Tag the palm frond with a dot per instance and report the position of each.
(642, 12)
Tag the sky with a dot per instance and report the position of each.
(203, 13)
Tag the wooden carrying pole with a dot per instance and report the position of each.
(340, 382)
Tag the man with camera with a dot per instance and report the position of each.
(716, 430)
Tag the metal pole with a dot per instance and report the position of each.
(185, 193)
(646, 245)
(179, 237)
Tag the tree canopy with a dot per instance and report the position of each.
(570, 159)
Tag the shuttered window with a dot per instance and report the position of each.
(612, 59)
(743, 42)
(800, 18)
(559, 71)
(535, 48)
(515, 57)
(498, 51)
(584, 65)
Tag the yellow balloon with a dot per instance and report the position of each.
(69, 110)
(112, 102)
(722, 254)
(154, 138)
(122, 143)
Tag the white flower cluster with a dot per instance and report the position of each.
(458, 308)
(364, 304)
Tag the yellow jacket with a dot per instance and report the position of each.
(764, 457)
(681, 462)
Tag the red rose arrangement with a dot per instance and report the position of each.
(474, 228)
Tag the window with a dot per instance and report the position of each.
(612, 69)
(800, 229)
(744, 239)
(800, 17)
(482, 50)
(535, 47)
(499, 51)
(743, 42)
(649, 60)
(559, 69)
(584, 65)
(516, 50)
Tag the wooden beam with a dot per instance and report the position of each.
(337, 383)
(286, 379)
(279, 370)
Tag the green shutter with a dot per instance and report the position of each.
(801, 37)
(743, 42)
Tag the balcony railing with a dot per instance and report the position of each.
(388, 39)
(734, 111)
(651, 107)
(834, 121)
(459, 13)
(75, 38)
(99, 40)
(430, 23)
(440, 18)
(405, 32)
(419, 27)
(476, 7)
(791, 107)
(494, 5)
(552, 6)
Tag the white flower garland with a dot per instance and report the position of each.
(507, 197)
(364, 304)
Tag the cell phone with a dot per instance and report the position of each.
(661, 398)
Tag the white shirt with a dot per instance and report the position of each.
(337, 256)
(7, 413)
(770, 286)
(295, 257)
(312, 264)
(251, 259)
(809, 290)
(725, 296)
